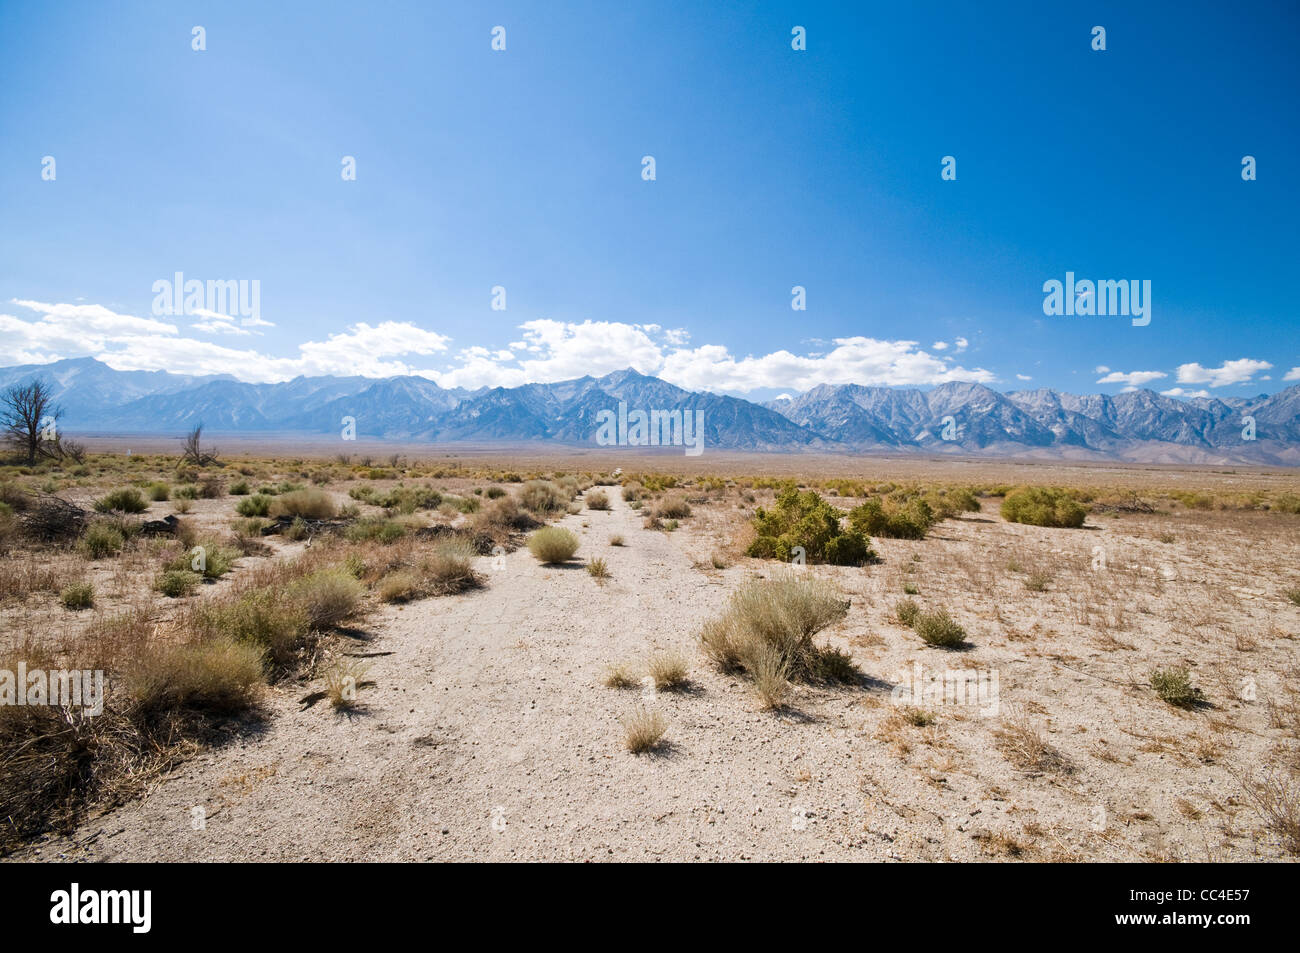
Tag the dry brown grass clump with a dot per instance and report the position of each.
(768, 628)
(643, 729)
(497, 523)
(620, 675)
(668, 669)
(1023, 744)
(327, 596)
(308, 504)
(158, 701)
(444, 568)
(771, 674)
(22, 576)
(598, 569)
(344, 679)
(79, 595)
(597, 500)
(543, 497)
(673, 508)
(216, 675)
(1277, 798)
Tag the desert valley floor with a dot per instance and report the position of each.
(485, 729)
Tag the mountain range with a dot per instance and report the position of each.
(953, 418)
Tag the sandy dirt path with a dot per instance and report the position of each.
(489, 735)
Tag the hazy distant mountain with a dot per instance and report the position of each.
(954, 418)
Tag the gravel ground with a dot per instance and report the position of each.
(488, 734)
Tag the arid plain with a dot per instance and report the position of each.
(379, 656)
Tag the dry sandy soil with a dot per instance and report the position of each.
(488, 733)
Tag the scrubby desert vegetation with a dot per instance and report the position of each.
(409, 633)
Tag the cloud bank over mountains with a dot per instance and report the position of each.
(205, 343)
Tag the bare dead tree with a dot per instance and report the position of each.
(74, 451)
(193, 451)
(28, 419)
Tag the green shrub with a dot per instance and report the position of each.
(216, 559)
(239, 488)
(551, 544)
(375, 528)
(909, 520)
(256, 505)
(101, 540)
(261, 617)
(938, 628)
(1174, 685)
(14, 496)
(805, 519)
(1043, 506)
(404, 499)
(126, 500)
(79, 595)
(906, 611)
(159, 492)
(175, 583)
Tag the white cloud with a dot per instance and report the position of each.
(215, 323)
(939, 346)
(127, 342)
(547, 351)
(64, 329)
(961, 345)
(856, 360)
(1180, 392)
(556, 351)
(1023, 377)
(1102, 369)
(1292, 375)
(1134, 379)
(1239, 371)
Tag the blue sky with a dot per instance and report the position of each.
(522, 169)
